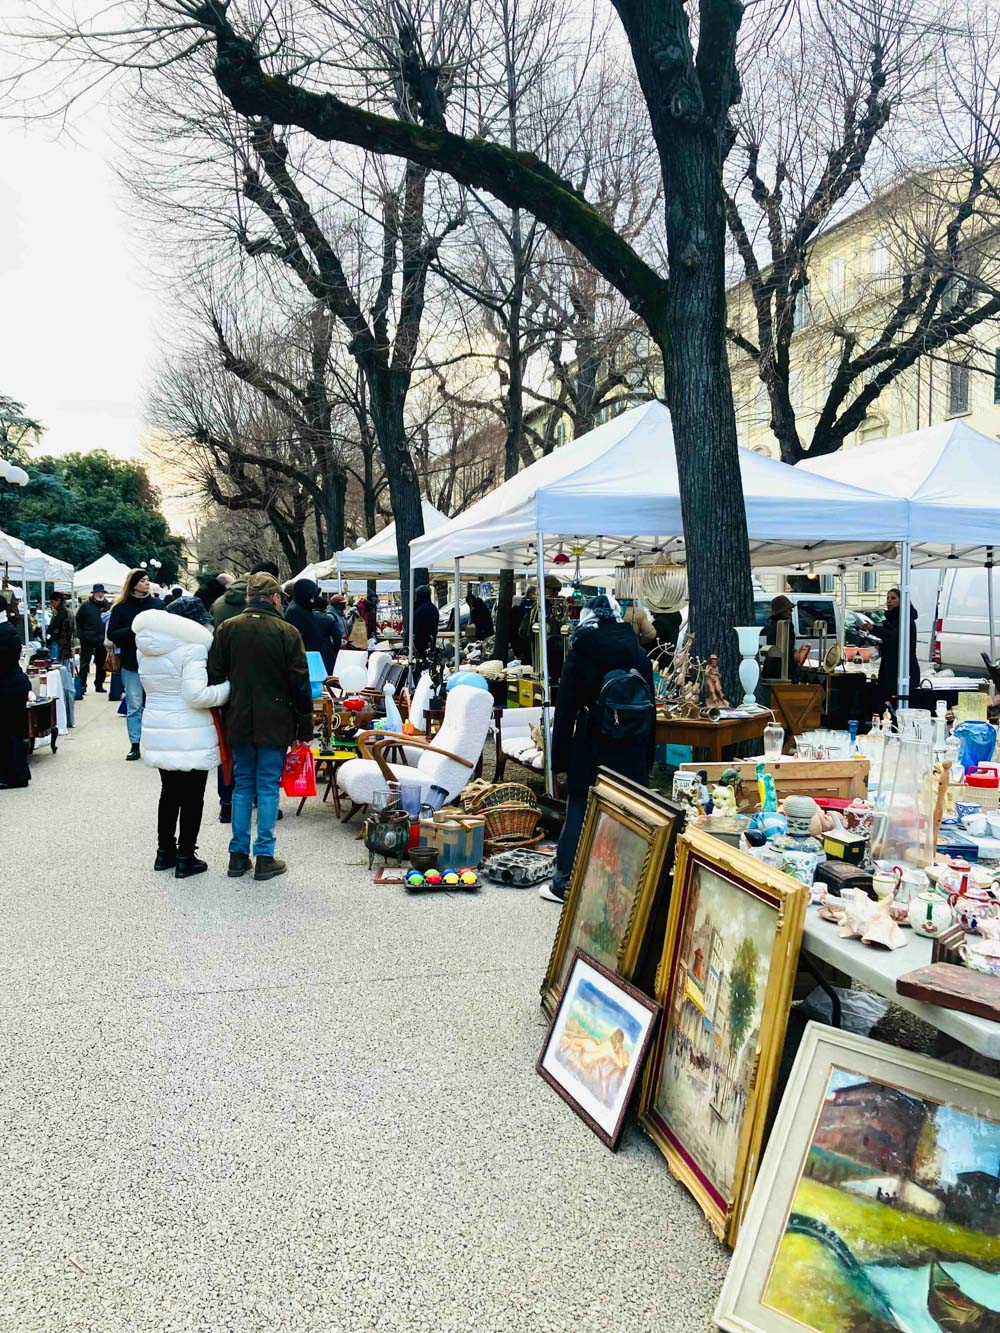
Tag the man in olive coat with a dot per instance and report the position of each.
(270, 707)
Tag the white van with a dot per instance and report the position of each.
(809, 608)
(961, 631)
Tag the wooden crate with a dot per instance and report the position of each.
(838, 779)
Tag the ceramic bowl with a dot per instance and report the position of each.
(982, 956)
(994, 825)
(423, 858)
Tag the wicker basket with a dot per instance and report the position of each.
(506, 793)
(514, 823)
(492, 847)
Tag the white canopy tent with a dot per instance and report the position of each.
(949, 476)
(377, 556)
(105, 569)
(24, 562)
(614, 492)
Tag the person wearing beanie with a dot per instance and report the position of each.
(426, 622)
(233, 599)
(270, 708)
(178, 730)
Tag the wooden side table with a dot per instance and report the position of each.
(714, 737)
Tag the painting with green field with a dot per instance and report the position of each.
(611, 876)
(894, 1223)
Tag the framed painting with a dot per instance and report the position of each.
(876, 1206)
(619, 890)
(725, 986)
(596, 1045)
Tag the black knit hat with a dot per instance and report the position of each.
(191, 608)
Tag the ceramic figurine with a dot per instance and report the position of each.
(767, 790)
(724, 799)
(714, 698)
(800, 812)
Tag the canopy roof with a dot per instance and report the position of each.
(105, 569)
(27, 562)
(614, 492)
(949, 475)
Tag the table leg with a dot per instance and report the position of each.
(301, 804)
(821, 981)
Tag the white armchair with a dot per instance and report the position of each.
(378, 669)
(515, 741)
(447, 762)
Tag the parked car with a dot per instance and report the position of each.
(960, 633)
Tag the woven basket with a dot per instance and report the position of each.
(474, 792)
(507, 793)
(492, 846)
(513, 820)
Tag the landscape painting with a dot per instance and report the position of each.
(596, 1044)
(610, 875)
(895, 1218)
(714, 1012)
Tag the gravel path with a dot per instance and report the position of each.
(308, 1104)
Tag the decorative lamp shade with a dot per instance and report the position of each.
(353, 677)
(466, 678)
(561, 558)
(664, 587)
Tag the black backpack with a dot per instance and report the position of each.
(624, 708)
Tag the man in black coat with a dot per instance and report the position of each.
(479, 615)
(888, 636)
(319, 632)
(90, 629)
(601, 643)
(426, 621)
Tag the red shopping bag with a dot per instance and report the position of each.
(299, 776)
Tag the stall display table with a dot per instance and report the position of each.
(40, 723)
(711, 736)
(326, 771)
(836, 779)
(878, 969)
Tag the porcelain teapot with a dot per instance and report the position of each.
(982, 956)
(929, 914)
(973, 903)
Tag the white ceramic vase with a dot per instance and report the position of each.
(748, 640)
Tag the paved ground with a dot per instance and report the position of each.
(304, 1105)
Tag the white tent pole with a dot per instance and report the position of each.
(458, 618)
(543, 656)
(43, 617)
(409, 619)
(24, 609)
(903, 693)
(989, 601)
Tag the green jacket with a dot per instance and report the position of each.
(233, 601)
(270, 699)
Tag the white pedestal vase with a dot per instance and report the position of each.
(748, 640)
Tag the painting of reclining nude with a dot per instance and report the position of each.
(891, 1219)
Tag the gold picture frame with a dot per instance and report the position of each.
(725, 987)
(618, 895)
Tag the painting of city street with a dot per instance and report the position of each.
(895, 1218)
(714, 1012)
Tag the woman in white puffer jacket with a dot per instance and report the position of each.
(178, 730)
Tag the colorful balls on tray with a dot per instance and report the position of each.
(432, 878)
(414, 879)
(450, 877)
(468, 877)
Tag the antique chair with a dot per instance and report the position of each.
(447, 762)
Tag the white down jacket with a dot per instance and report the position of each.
(177, 729)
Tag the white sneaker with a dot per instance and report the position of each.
(547, 892)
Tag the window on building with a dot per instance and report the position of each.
(828, 583)
(958, 390)
(869, 580)
(879, 257)
(836, 275)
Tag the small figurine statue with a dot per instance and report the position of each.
(724, 799)
(767, 790)
(714, 698)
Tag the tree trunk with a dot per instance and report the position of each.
(387, 398)
(334, 508)
(692, 335)
(514, 413)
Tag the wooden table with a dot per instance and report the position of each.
(711, 736)
(878, 969)
(326, 770)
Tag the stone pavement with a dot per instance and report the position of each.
(308, 1104)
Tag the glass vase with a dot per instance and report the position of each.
(903, 833)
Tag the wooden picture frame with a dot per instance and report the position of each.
(619, 890)
(853, 1228)
(596, 1044)
(725, 987)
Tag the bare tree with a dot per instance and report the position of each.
(886, 116)
(346, 73)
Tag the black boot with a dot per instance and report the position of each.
(189, 865)
(268, 866)
(134, 752)
(226, 812)
(166, 858)
(239, 864)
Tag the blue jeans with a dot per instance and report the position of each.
(569, 840)
(256, 776)
(133, 700)
(69, 692)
